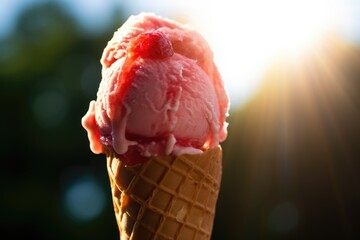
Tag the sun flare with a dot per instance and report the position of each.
(247, 35)
(298, 25)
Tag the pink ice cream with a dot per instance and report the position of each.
(160, 93)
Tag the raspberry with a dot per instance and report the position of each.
(153, 44)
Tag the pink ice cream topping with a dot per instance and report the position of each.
(160, 93)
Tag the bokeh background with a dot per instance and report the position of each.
(292, 159)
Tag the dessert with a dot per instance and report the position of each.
(159, 117)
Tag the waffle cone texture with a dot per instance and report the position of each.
(167, 197)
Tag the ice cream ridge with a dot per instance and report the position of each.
(159, 117)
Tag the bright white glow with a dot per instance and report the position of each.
(247, 35)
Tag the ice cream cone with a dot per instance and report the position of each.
(167, 197)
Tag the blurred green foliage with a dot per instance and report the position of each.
(49, 72)
(291, 161)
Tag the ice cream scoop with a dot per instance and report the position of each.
(159, 117)
(160, 93)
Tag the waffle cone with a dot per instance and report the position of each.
(167, 197)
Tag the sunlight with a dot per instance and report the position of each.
(298, 25)
(247, 35)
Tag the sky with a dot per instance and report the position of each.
(245, 35)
